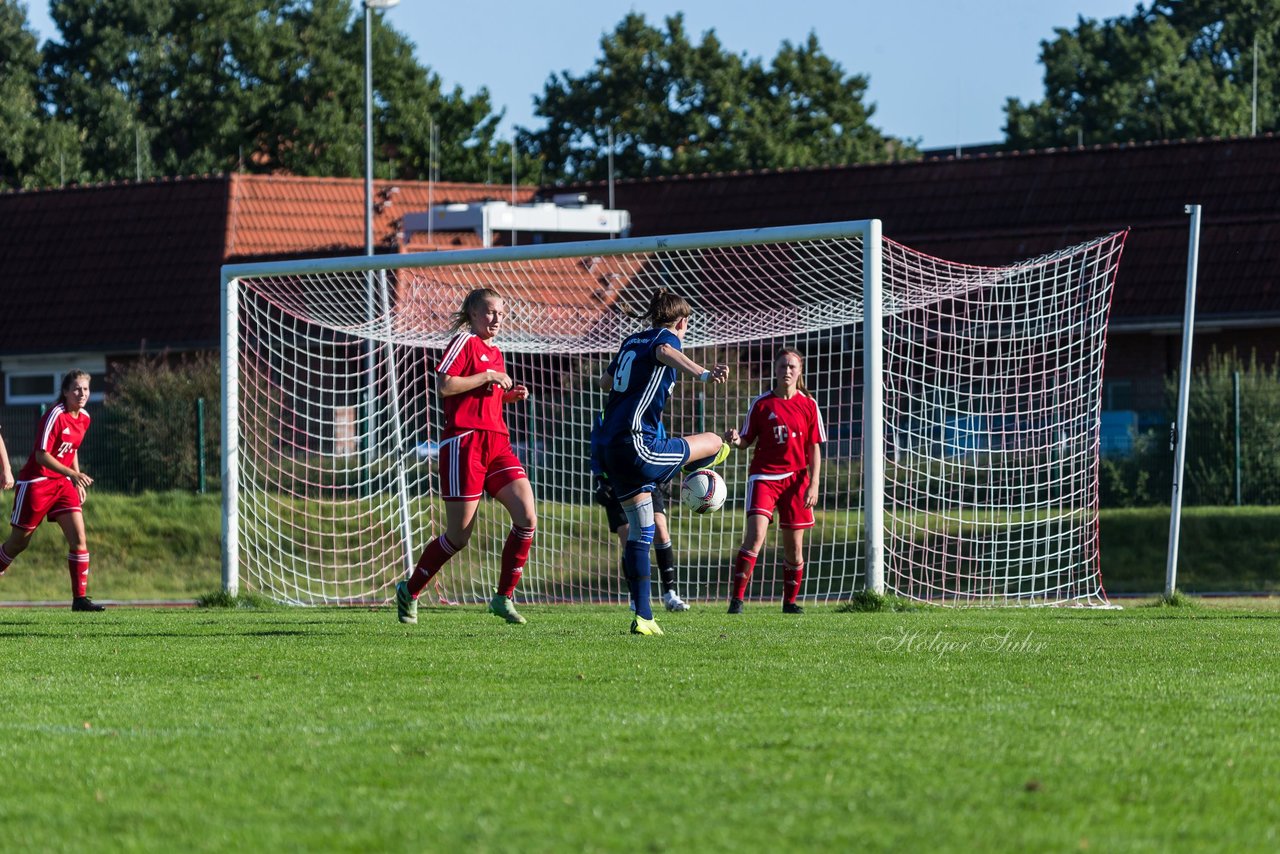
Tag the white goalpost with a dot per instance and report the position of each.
(962, 407)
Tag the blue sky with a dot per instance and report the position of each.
(940, 70)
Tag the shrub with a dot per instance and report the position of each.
(151, 422)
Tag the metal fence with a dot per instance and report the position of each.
(187, 458)
(1225, 468)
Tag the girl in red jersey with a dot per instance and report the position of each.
(52, 486)
(786, 427)
(476, 455)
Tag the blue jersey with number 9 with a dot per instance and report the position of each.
(641, 385)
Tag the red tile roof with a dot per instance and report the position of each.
(273, 215)
(128, 266)
(997, 209)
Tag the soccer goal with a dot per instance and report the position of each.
(962, 407)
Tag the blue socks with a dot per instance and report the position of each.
(636, 555)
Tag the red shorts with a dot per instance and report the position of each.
(476, 462)
(764, 494)
(33, 500)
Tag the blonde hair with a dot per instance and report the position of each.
(790, 351)
(462, 317)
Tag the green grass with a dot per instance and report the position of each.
(957, 730)
(168, 546)
(150, 546)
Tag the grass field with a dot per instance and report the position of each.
(303, 729)
(167, 546)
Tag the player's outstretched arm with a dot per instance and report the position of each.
(673, 358)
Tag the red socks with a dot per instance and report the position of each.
(514, 555)
(434, 556)
(743, 566)
(78, 566)
(791, 575)
(439, 550)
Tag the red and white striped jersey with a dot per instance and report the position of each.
(783, 430)
(480, 408)
(60, 433)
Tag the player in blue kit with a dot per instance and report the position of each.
(618, 523)
(632, 448)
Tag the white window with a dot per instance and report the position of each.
(36, 384)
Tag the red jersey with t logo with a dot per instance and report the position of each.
(480, 408)
(60, 433)
(783, 430)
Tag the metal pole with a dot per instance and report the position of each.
(230, 435)
(513, 189)
(200, 483)
(367, 435)
(401, 449)
(1184, 389)
(611, 170)
(873, 406)
(368, 138)
(1253, 125)
(1235, 408)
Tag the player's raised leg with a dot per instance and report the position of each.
(706, 450)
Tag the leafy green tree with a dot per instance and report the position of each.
(1178, 68)
(676, 106)
(192, 86)
(19, 111)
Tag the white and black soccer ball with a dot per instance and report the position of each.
(703, 491)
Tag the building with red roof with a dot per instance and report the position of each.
(91, 275)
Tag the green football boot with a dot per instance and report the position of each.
(641, 626)
(406, 605)
(502, 606)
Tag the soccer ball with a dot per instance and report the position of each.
(703, 491)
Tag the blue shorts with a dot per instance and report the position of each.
(637, 467)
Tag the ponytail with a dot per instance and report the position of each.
(462, 317)
(665, 308)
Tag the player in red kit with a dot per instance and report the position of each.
(475, 455)
(787, 429)
(52, 486)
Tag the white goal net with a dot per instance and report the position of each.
(964, 471)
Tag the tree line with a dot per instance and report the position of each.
(142, 88)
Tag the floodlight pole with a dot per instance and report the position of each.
(1184, 391)
(369, 6)
(402, 487)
